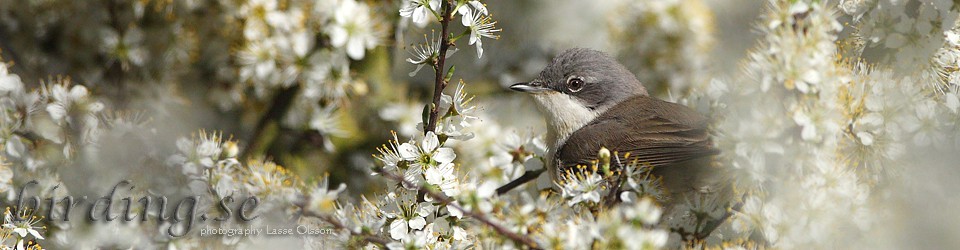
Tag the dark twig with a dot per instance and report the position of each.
(614, 196)
(713, 225)
(440, 82)
(618, 179)
(526, 177)
(278, 109)
(515, 237)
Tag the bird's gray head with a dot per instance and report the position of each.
(576, 87)
(590, 77)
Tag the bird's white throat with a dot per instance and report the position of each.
(564, 115)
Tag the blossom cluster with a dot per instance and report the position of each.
(245, 53)
(57, 132)
(17, 233)
(817, 133)
(473, 16)
(901, 34)
(462, 210)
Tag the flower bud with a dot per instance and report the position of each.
(604, 160)
(230, 149)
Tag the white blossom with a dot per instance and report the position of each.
(322, 199)
(582, 188)
(420, 10)
(353, 29)
(480, 26)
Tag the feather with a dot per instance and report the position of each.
(653, 131)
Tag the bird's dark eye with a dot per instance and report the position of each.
(575, 84)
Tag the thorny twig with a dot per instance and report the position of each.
(440, 81)
(618, 180)
(713, 225)
(614, 196)
(526, 177)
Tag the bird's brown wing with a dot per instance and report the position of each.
(656, 132)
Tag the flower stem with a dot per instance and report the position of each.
(440, 82)
(464, 33)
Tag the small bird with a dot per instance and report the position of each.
(592, 101)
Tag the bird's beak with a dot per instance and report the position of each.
(526, 87)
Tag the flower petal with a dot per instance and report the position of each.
(430, 142)
(479, 48)
(486, 190)
(479, 6)
(408, 11)
(413, 175)
(865, 138)
(21, 231)
(35, 233)
(809, 133)
(57, 111)
(409, 151)
(426, 209)
(338, 36)
(398, 229)
(454, 212)
(433, 176)
(444, 155)
(420, 15)
(355, 49)
(459, 233)
(417, 223)
(414, 72)
(467, 19)
(78, 92)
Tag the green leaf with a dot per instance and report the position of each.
(450, 73)
(426, 114)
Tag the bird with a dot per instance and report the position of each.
(590, 101)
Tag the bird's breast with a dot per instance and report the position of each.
(564, 115)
